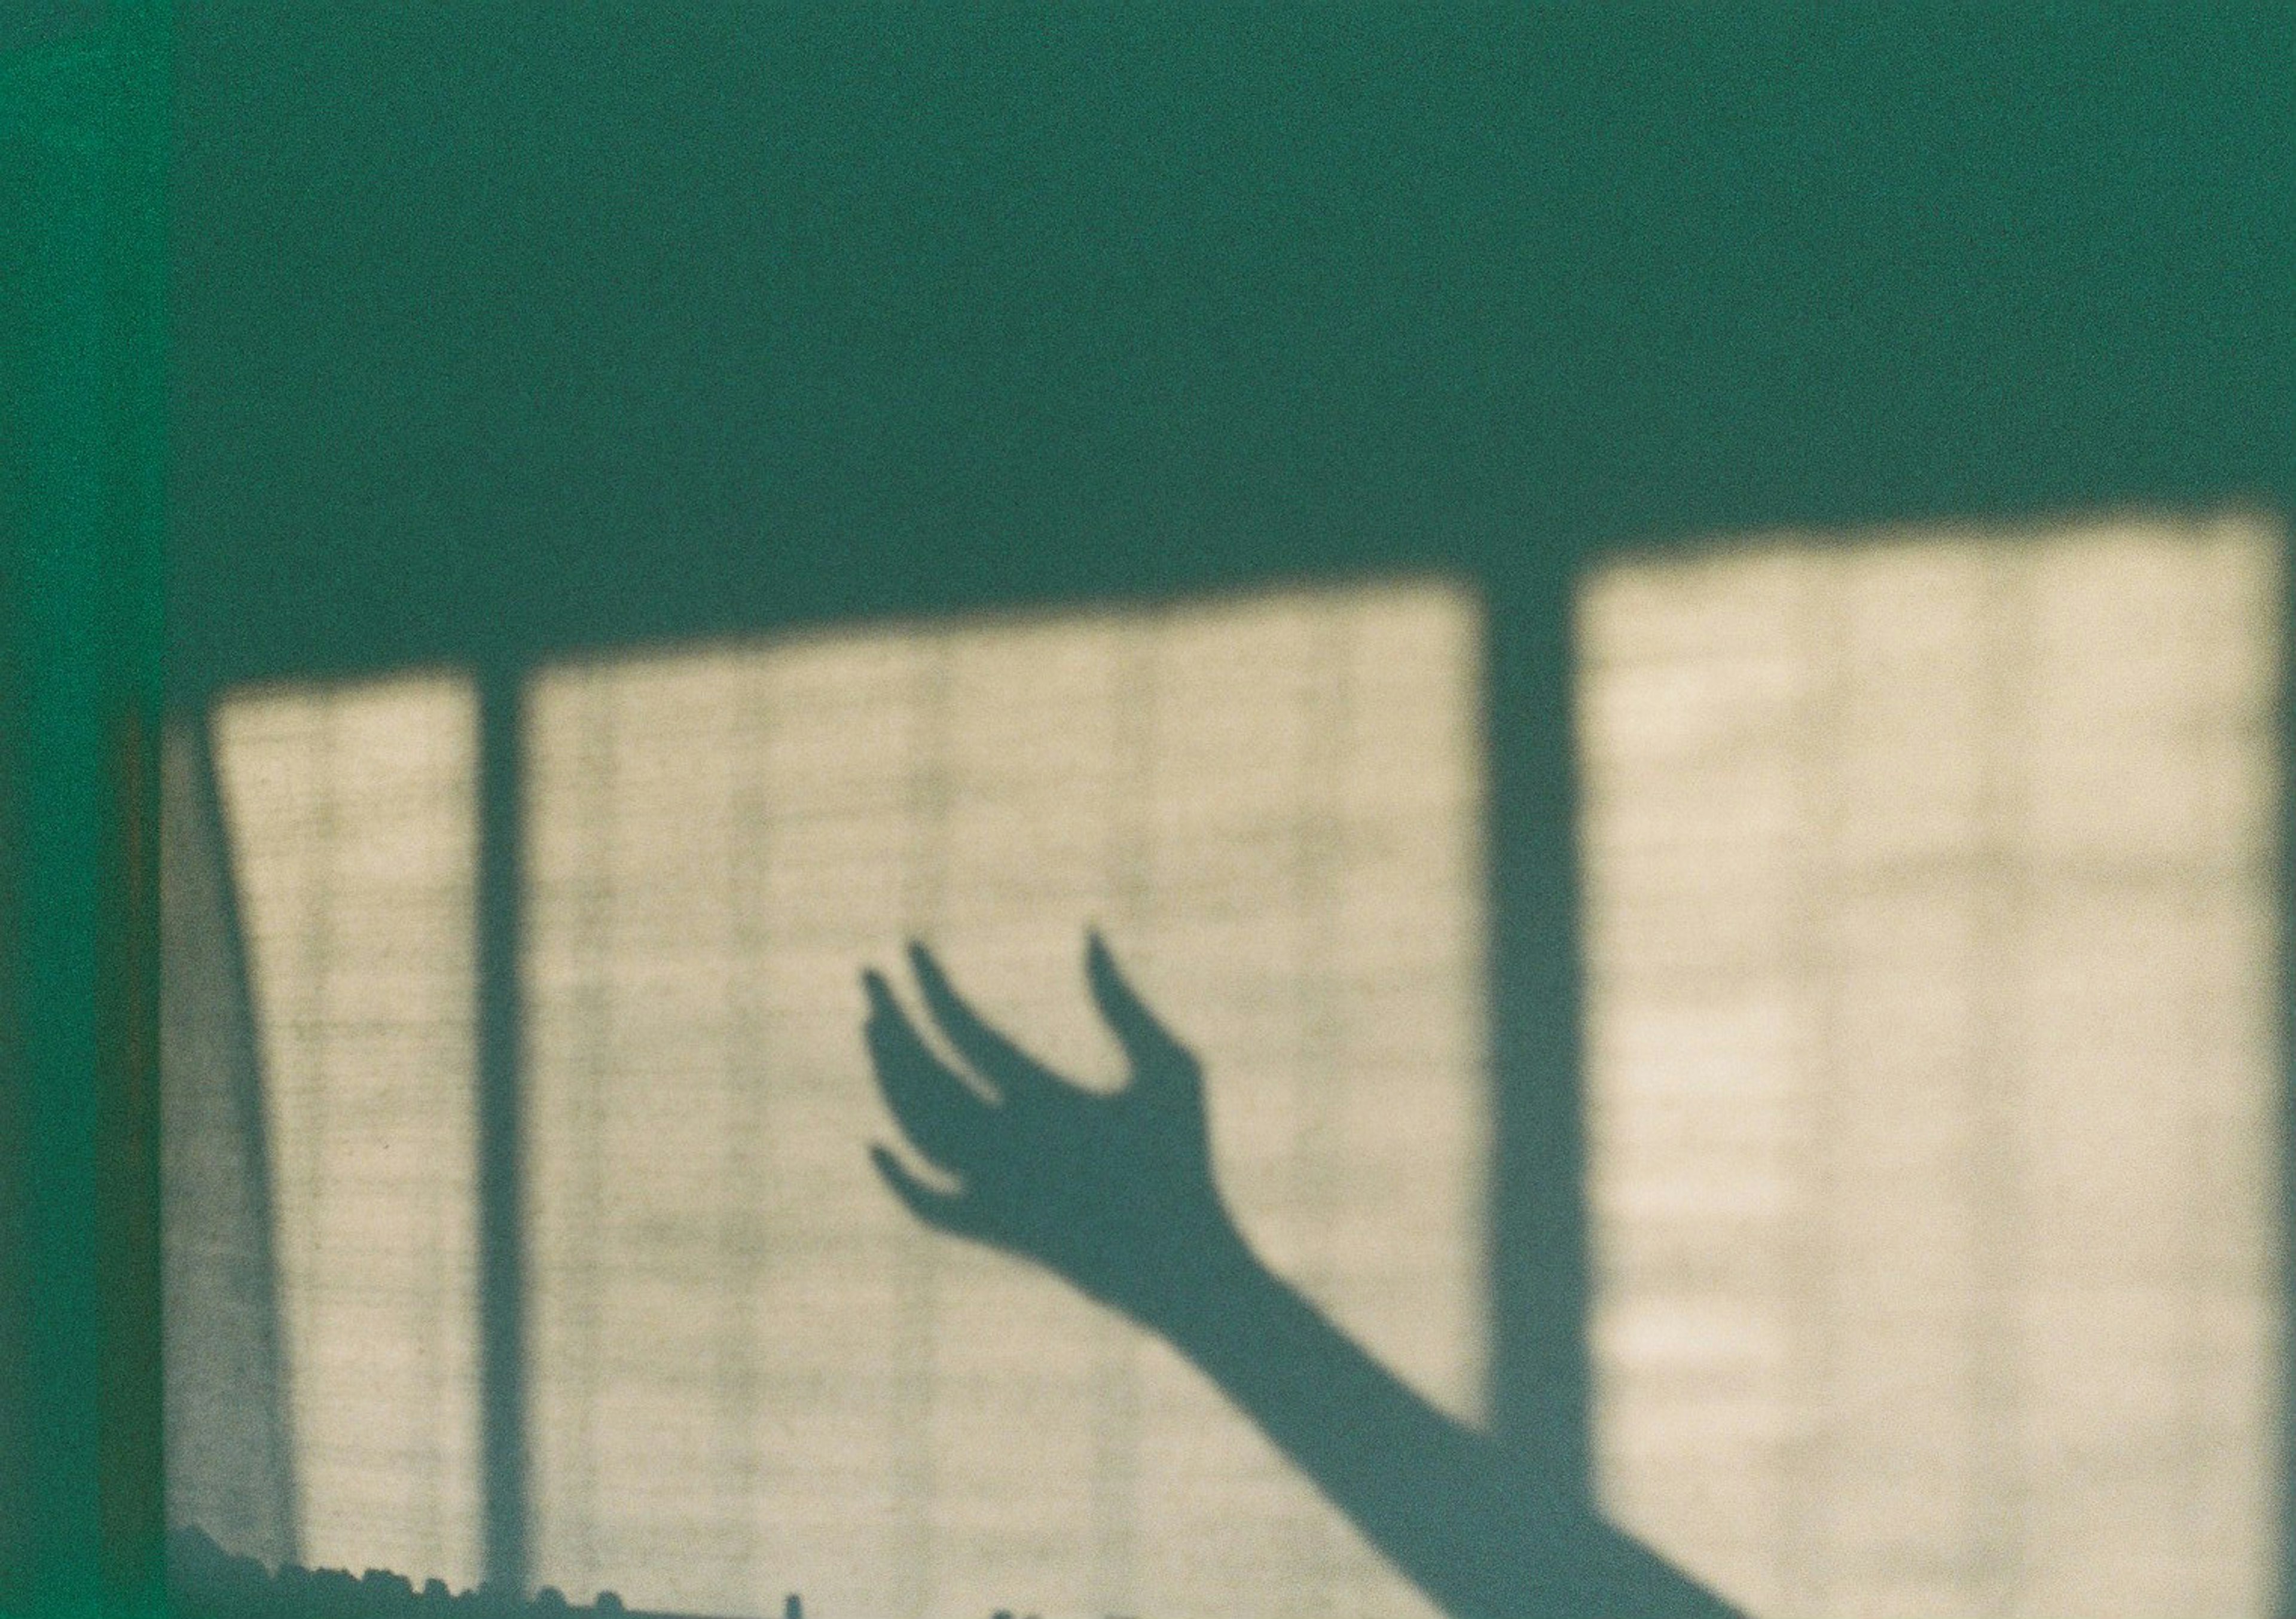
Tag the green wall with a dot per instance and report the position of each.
(82, 263)
(579, 324)
(506, 330)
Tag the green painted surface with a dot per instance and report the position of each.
(716, 320)
(82, 128)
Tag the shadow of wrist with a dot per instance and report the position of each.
(1190, 1292)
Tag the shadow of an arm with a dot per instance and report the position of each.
(1116, 1193)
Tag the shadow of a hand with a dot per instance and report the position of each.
(1113, 1192)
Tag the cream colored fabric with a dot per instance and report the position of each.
(229, 1446)
(1931, 911)
(352, 821)
(751, 1371)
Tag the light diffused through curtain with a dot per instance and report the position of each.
(750, 1372)
(352, 834)
(1928, 888)
(1935, 1096)
(230, 1449)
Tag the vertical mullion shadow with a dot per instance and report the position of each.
(501, 1157)
(2285, 898)
(1540, 1383)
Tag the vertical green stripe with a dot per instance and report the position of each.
(82, 145)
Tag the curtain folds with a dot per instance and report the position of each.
(230, 1449)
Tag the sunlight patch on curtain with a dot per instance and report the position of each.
(751, 1371)
(1931, 888)
(350, 813)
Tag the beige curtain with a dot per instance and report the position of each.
(231, 1466)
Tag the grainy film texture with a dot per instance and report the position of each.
(750, 1371)
(1934, 1090)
